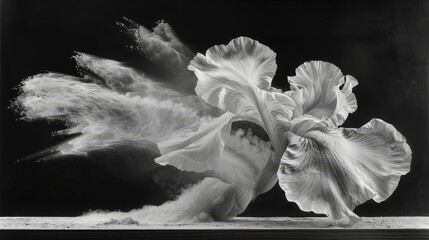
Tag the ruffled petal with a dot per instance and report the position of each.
(331, 171)
(244, 157)
(198, 151)
(230, 148)
(316, 91)
(237, 78)
(243, 61)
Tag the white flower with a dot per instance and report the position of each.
(322, 168)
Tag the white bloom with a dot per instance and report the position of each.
(323, 168)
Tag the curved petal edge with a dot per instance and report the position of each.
(198, 151)
(331, 171)
(316, 91)
(237, 78)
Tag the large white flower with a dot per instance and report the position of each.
(322, 168)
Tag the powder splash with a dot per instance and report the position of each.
(113, 104)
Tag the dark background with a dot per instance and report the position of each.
(384, 44)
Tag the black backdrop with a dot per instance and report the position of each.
(384, 44)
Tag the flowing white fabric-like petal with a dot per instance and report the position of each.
(198, 151)
(331, 171)
(243, 160)
(316, 91)
(267, 178)
(237, 78)
(243, 61)
(236, 157)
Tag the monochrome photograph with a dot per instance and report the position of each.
(221, 119)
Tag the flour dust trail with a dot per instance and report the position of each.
(111, 104)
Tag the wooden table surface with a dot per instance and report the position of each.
(239, 228)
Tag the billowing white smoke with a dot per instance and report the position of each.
(122, 79)
(103, 116)
(113, 104)
(161, 44)
(196, 204)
